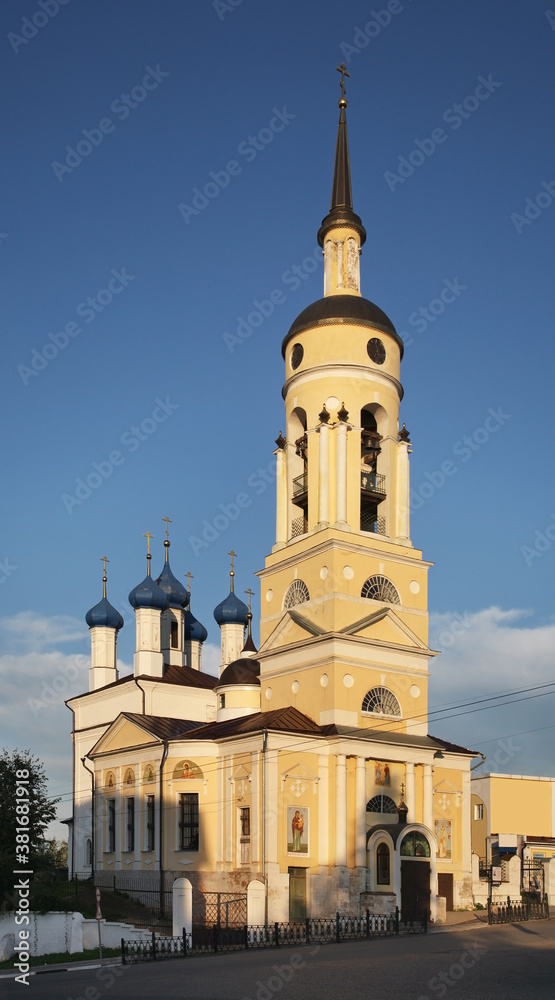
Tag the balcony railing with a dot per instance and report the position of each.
(369, 522)
(299, 527)
(372, 482)
(300, 484)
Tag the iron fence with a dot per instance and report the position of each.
(517, 910)
(203, 940)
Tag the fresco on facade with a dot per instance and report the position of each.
(297, 830)
(149, 773)
(443, 830)
(382, 774)
(187, 769)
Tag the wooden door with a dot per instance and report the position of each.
(297, 893)
(415, 887)
(445, 888)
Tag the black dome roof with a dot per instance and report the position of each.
(242, 671)
(342, 309)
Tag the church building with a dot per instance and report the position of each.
(303, 776)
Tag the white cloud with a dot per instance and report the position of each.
(489, 653)
(28, 631)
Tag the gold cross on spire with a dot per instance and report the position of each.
(189, 577)
(104, 559)
(168, 521)
(343, 70)
(233, 556)
(148, 536)
(250, 595)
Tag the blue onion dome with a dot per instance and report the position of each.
(245, 670)
(231, 611)
(148, 594)
(104, 615)
(194, 630)
(177, 594)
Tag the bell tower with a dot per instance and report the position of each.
(343, 582)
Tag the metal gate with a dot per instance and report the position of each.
(533, 876)
(225, 909)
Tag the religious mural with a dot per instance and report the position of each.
(443, 829)
(297, 830)
(382, 774)
(187, 769)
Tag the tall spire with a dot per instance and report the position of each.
(341, 213)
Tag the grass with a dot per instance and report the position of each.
(60, 958)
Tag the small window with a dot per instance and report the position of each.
(221, 701)
(188, 821)
(130, 839)
(88, 853)
(245, 838)
(381, 804)
(381, 701)
(415, 845)
(173, 635)
(297, 593)
(479, 810)
(111, 838)
(379, 588)
(150, 822)
(383, 876)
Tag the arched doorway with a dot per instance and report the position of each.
(415, 855)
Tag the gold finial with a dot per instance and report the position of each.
(148, 536)
(343, 70)
(402, 789)
(232, 571)
(250, 595)
(189, 577)
(104, 559)
(167, 539)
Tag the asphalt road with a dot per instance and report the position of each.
(511, 962)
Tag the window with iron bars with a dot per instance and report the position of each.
(188, 821)
(150, 822)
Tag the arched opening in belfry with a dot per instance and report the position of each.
(299, 471)
(372, 483)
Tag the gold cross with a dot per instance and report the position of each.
(233, 556)
(148, 536)
(189, 577)
(104, 559)
(251, 594)
(168, 521)
(343, 70)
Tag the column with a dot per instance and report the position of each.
(327, 267)
(281, 498)
(428, 810)
(403, 491)
(360, 810)
(229, 791)
(323, 806)
(255, 807)
(341, 810)
(324, 476)
(409, 792)
(341, 476)
(220, 777)
(271, 807)
(339, 246)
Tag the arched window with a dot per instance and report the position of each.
(381, 804)
(381, 701)
(88, 852)
(297, 593)
(415, 845)
(379, 588)
(383, 867)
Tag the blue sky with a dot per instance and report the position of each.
(171, 284)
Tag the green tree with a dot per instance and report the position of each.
(21, 766)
